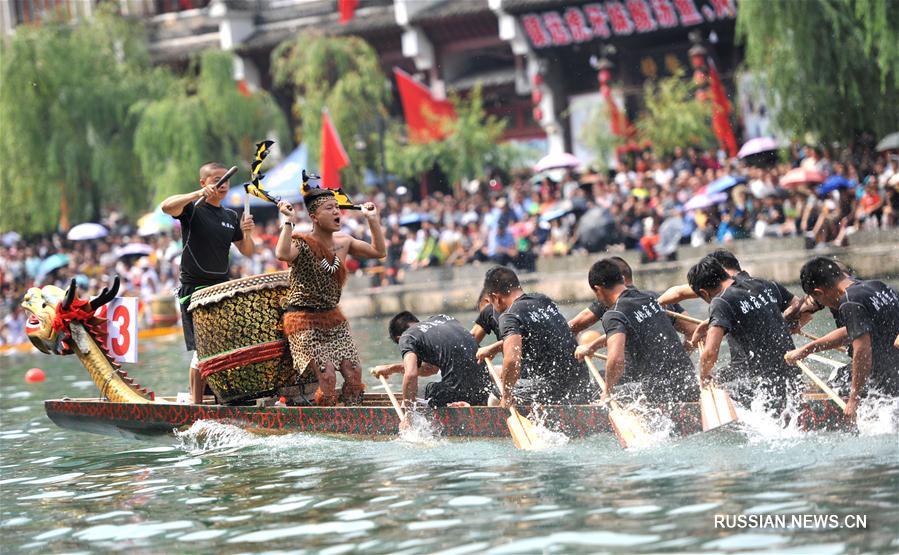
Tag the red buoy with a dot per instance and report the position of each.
(35, 375)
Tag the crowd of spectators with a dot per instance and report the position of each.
(642, 205)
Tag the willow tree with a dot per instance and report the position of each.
(472, 145)
(204, 117)
(673, 117)
(342, 74)
(832, 66)
(65, 130)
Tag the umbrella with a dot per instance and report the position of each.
(556, 212)
(87, 231)
(134, 249)
(10, 238)
(798, 176)
(596, 229)
(705, 200)
(154, 222)
(52, 262)
(890, 142)
(833, 183)
(414, 219)
(757, 146)
(724, 183)
(558, 160)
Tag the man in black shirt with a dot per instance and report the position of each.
(438, 344)
(207, 230)
(750, 312)
(870, 312)
(486, 322)
(536, 337)
(641, 333)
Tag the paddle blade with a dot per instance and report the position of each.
(629, 428)
(524, 436)
(716, 408)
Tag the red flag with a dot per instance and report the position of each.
(425, 115)
(347, 10)
(721, 113)
(333, 155)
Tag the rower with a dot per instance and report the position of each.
(437, 344)
(486, 322)
(870, 311)
(640, 332)
(749, 312)
(595, 310)
(536, 338)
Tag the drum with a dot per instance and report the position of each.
(240, 341)
(164, 311)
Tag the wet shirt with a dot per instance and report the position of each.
(488, 322)
(443, 342)
(751, 313)
(208, 232)
(872, 307)
(654, 354)
(598, 309)
(547, 347)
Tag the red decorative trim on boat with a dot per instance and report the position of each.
(242, 357)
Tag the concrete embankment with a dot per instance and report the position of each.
(430, 291)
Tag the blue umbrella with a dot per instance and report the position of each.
(833, 183)
(52, 262)
(414, 219)
(724, 183)
(555, 213)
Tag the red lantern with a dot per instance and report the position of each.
(702, 95)
(537, 80)
(698, 78)
(538, 115)
(536, 96)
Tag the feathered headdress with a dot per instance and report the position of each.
(311, 194)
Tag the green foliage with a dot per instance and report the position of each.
(832, 65)
(202, 119)
(471, 146)
(65, 130)
(342, 74)
(597, 136)
(673, 117)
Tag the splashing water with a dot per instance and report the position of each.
(878, 416)
(550, 438)
(421, 430)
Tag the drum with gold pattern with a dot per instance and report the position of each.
(240, 341)
(164, 310)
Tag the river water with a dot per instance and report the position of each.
(218, 488)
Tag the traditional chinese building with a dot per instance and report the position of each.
(537, 61)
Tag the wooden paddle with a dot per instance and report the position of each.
(715, 404)
(524, 436)
(820, 383)
(629, 427)
(393, 401)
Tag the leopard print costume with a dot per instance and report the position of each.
(316, 329)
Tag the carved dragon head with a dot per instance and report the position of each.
(44, 305)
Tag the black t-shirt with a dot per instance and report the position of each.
(598, 309)
(654, 354)
(488, 322)
(208, 232)
(547, 353)
(873, 307)
(751, 313)
(442, 341)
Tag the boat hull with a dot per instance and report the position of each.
(161, 418)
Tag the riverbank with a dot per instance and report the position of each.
(429, 291)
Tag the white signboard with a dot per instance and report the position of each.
(121, 321)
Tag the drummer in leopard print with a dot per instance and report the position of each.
(318, 332)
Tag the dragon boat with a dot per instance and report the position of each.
(244, 357)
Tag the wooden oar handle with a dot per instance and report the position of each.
(820, 383)
(683, 317)
(393, 401)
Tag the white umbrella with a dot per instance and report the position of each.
(558, 160)
(134, 249)
(757, 146)
(705, 200)
(87, 231)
